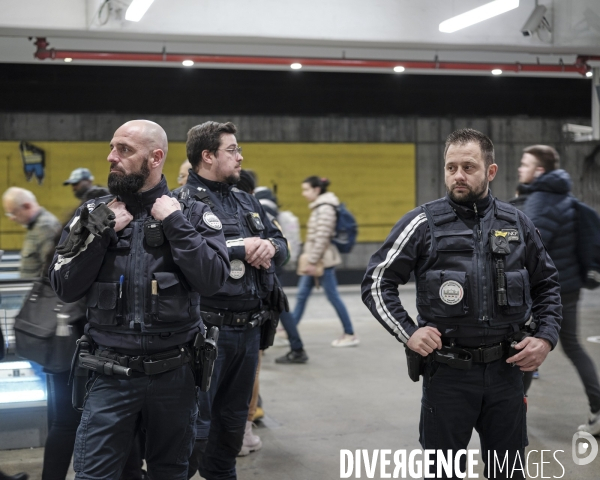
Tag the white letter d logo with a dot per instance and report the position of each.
(590, 444)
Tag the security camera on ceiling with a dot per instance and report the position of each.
(536, 22)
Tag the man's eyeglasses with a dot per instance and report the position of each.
(233, 150)
(12, 215)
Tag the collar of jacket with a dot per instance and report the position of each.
(468, 211)
(555, 181)
(195, 180)
(140, 201)
(35, 218)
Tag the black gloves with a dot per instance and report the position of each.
(76, 238)
(96, 223)
(99, 220)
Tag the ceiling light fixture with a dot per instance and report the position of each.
(137, 9)
(496, 71)
(187, 63)
(589, 74)
(399, 69)
(68, 60)
(477, 15)
(296, 66)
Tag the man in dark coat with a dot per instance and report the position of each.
(551, 207)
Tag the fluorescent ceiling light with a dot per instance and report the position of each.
(68, 60)
(496, 71)
(477, 15)
(137, 9)
(296, 66)
(399, 69)
(187, 63)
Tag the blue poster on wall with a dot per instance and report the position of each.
(34, 160)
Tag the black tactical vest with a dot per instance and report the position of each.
(457, 284)
(129, 307)
(244, 281)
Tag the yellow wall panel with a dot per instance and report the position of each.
(376, 181)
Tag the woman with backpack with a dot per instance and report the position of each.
(320, 256)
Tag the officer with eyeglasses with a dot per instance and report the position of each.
(244, 307)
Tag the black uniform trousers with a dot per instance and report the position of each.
(164, 406)
(487, 397)
(224, 408)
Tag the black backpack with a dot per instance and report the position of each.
(588, 244)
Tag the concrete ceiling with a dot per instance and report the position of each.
(351, 29)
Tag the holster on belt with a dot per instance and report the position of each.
(415, 363)
(278, 302)
(79, 375)
(268, 329)
(205, 355)
(516, 338)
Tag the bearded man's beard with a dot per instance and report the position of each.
(122, 184)
(471, 195)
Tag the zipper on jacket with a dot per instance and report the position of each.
(137, 276)
(480, 256)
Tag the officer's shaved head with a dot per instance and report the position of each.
(150, 133)
(138, 151)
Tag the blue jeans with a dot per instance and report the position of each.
(329, 282)
(224, 408)
(289, 324)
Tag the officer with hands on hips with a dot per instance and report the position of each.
(246, 308)
(481, 269)
(142, 259)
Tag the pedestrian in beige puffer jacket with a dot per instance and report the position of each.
(321, 256)
(320, 230)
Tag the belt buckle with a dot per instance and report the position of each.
(489, 354)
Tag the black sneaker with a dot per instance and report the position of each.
(295, 356)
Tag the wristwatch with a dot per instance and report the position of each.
(275, 245)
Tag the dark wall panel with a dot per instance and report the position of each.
(182, 91)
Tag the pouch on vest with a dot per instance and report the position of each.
(101, 301)
(173, 298)
(517, 293)
(231, 228)
(447, 292)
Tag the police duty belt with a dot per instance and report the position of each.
(462, 358)
(254, 318)
(104, 361)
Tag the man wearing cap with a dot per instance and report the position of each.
(81, 182)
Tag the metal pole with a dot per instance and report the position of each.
(596, 103)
